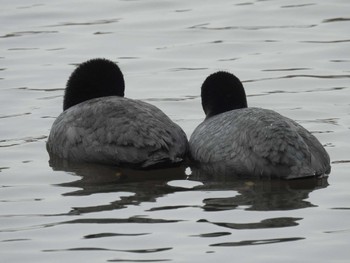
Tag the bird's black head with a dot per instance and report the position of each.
(221, 92)
(92, 79)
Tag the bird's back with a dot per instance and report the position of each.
(258, 142)
(116, 130)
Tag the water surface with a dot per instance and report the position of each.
(293, 57)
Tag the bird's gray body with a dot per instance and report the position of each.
(117, 131)
(258, 142)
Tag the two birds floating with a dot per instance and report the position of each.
(100, 125)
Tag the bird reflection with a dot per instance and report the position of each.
(144, 185)
(258, 194)
(148, 186)
(112, 177)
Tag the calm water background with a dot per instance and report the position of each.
(293, 56)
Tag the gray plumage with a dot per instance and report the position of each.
(258, 142)
(240, 141)
(118, 131)
(99, 125)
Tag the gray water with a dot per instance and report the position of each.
(293, 56)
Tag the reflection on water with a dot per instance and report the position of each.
(259, 195)
(265, 195)
(256, 242)
(148, 186)
(205, 197)
(293, 58)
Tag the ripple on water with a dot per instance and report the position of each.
(292, 57)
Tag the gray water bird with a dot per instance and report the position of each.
(99, 125)
(251, 142)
